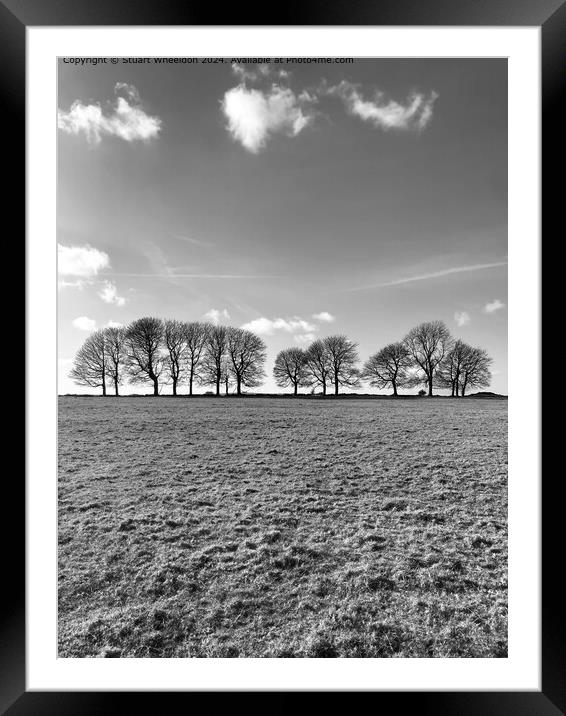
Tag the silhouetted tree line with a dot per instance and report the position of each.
(428, 355)
(154, 352)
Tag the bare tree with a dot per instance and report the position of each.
(476, 370)
(145, 351)
(342, 358)
(450, 369)
(116, 354)
(247, 353)
(90, 366)
(390, 366)
(446, 374)
(174, 339)
(290, 369)
(195, 336)
(428, 343)
(318, 365)
(215, 350)
(226, 379)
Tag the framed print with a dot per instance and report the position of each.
(280, 277)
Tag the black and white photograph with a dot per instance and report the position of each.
(282, 357)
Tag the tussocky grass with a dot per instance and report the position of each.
(282, 528)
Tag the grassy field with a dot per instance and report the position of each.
(282, 528)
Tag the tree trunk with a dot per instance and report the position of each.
(174, 386)
(191, 384)
(324, 388)
(295, 391)
(155, 386)
(116, 386)
(336, 386)
(226, 385)
(218, 385)
(463, 390)
(394, 383)
(430, 387)
(239, 385)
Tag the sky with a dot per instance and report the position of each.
(295, 200)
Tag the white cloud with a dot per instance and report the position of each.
(81, 261)
(323, 316)
(304, 338)
(242, 73)
(109, 294)
(254, 115)
(83, 323)
(261, 71)
(78, 283)
(267, 326)
(493, 306)
(114, 324)
(462, 318)
(215, 316)
(124, 118)
(129, 91)
(385, 113)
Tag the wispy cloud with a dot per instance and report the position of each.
(261, 71)
(431, 275)
(493, 306)
(161, 268)
(77, 283)
(216, 316)
(173, 275)
(128, 91)
(194, 242)
(156, 259)
(124, 118)
(109, 294)
(462, 318)
(243, 73)
(384, 113)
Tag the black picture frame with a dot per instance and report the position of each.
(15, 16)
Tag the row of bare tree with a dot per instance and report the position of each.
(427, 355)
(152, 351)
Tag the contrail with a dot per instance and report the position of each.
(434, 274)
(186, 275)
